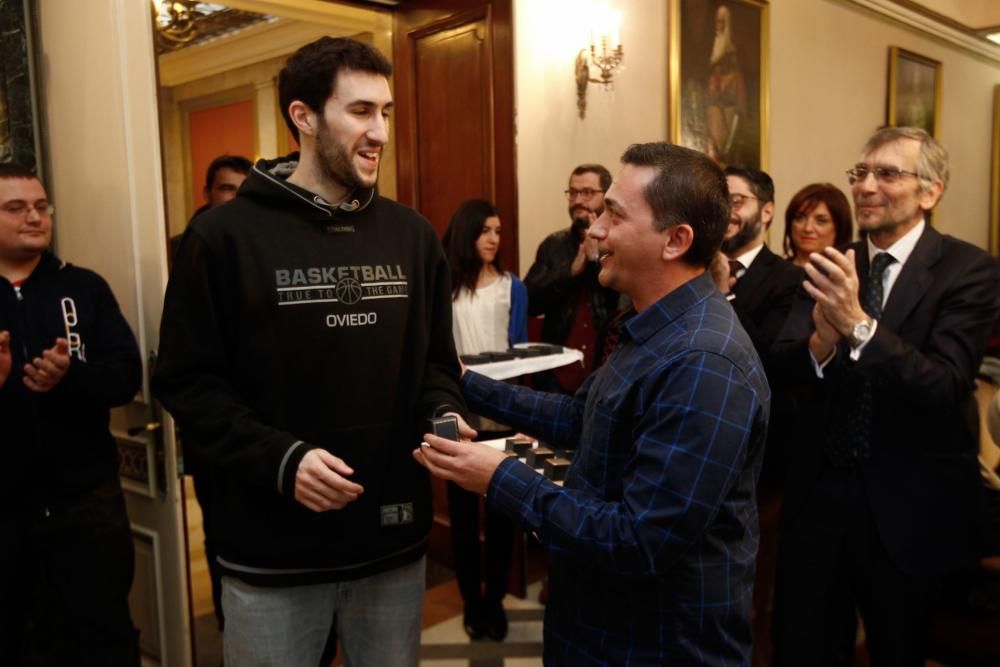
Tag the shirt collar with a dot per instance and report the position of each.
(671, 306)
(747, 258)
(902, 248)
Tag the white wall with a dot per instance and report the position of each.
(551, 138)
(829, 64)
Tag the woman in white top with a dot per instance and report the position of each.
(489, 314)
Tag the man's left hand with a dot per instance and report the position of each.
(45, 372)
(833, 283)
(469, 464)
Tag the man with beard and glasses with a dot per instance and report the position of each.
(306, 337)
(883, 503)
(762, 285)
(562, 283)
(762, 290)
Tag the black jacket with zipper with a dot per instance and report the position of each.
(291, 324)
(57, 443)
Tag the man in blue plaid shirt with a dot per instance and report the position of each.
(653, 535)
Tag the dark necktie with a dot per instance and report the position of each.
(849, 437)
(871, 296)
(736, 269)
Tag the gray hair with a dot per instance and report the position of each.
(932, 160)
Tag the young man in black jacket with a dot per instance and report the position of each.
(306, 337)
(66, 357)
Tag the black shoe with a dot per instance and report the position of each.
(496, 622)
(472, 621)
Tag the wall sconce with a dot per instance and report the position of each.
(605, 53)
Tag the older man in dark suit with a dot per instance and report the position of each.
(883, 503)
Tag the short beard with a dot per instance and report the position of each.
(721, 47)
(335, 160)
(748, 232)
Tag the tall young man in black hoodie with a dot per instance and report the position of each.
(306, 337)
(66, 357)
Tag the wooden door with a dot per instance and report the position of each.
(454, 90)
(455, 110)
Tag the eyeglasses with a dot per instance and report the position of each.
(885, 175)
(737, 201)
(43, 209)
(586, 193)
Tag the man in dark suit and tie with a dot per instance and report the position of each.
(763, 287)
(883, 503)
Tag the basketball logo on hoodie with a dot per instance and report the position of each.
(348, 290)
(348, 285)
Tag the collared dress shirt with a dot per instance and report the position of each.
(653, 536)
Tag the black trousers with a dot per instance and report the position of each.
(475, 567)
(65, 577)
(831, 562)
(203, 489)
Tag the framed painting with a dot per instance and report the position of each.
(719, 79)
(914, 91)
(18, 123)
(994, 237)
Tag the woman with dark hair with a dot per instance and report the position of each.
(490, 308)
(818, 217)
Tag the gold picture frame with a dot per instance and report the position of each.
(994, 242)
(913, 97)
(719, 80)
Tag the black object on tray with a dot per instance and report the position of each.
(537, 456)
(525, 352)
(546, 348)
(520, 446)
(555, 468)
(499, 356)
(473, 359)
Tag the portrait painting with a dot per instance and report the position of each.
(994, 236)
(18, 141)
(914, 92)
(718, 79)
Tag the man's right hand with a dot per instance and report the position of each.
(579, 262)
(587, 250)
(5, 357)
(321, 484)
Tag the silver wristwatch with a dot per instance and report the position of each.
(861, 332)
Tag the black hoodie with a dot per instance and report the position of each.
(56, 444)
(291, 324)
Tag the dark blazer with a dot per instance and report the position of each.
(921, 478)
(764, 296)
(554, 293)
(762, 300)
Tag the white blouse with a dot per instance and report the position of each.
(480, 319)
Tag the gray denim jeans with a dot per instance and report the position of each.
(377, 620)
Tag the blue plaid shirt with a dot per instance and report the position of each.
(653, 536)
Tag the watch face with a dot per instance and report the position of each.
(860, 333)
